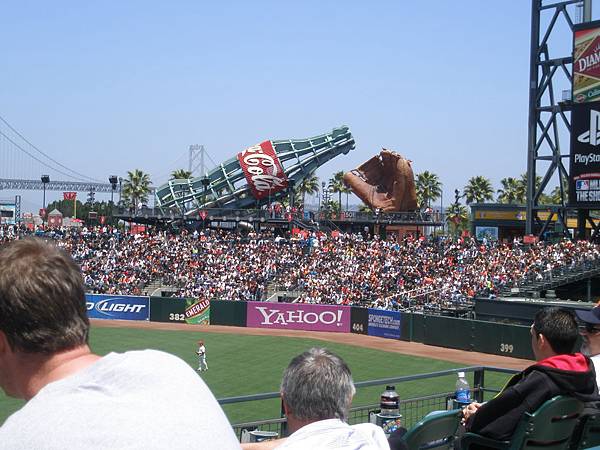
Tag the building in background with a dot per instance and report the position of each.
(506, 222)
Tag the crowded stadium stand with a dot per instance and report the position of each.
(409, 274)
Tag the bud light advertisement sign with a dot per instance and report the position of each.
(384, 323)
(117, 307)
(298, 316)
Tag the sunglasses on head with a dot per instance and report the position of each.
(589, 328)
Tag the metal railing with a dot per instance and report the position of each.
(412, 409)
(382, 217)
(556, 276)
(262, 215)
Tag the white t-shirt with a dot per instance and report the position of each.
(135, 400)
(333, 433)
(596, 360)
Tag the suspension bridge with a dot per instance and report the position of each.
(23, 166)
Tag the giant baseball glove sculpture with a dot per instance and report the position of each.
(384, 182)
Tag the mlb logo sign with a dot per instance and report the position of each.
(582, 185)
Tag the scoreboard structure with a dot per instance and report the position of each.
(584, 173)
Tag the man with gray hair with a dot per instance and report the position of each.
(316, 392)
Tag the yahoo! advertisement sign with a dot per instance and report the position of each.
(119, 307)
(298, 316)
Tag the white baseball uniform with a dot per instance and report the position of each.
(202, 366)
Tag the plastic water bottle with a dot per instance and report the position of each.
(463, 392)
(389, 403)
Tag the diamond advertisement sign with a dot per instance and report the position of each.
(586, 63)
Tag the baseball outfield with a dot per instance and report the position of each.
(246, 361)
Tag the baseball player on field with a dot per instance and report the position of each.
(201, 352)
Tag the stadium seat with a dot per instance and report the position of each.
(549, 428)
(434, 432)
(587, 434)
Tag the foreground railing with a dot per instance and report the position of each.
(412, 409)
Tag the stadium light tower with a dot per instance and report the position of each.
(205, 183)
(120, 190)
(113, 184)
(45, 180)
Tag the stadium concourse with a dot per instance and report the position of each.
(346, 269)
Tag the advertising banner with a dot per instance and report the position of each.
(8, 213)
(584, 181)
(263, 170)
(489, 233)
(384, 323)
(359, 320)
(298, 316)
(586, 63)
(181, 310)
(117, 307)
(197, 311)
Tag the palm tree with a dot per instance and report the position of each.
(428, 187)
(336, 184)
(478, 190)
(309, 185)
(510, 190)
(457, 217)
(333, 207)
(181, 174)
(346, 190)
(136, 188)
(555, 197)
(522, 187)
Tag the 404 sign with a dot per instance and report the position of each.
(358, 327)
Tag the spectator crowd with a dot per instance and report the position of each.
(418, 273)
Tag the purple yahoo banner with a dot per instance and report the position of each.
(298, 316)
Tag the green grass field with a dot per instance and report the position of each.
(242, 365)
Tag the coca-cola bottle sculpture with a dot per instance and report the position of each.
(257, 175)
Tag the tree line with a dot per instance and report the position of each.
(479, 189)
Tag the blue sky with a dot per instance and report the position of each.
(106, 87)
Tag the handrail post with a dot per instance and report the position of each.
(284, 424)
(479, 383)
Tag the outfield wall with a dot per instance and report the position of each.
(471, 335)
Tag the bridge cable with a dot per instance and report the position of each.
(45, 164)
(84, 177)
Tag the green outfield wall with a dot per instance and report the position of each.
(440, 331)
(227, 312)
(471, 335)
(465, 334)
